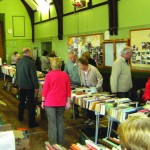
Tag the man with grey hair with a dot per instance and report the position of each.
(71, 68)
(120, 80)
(27, 81)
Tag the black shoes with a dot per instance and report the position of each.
(34, 125)
(20, 118)
(76, 116)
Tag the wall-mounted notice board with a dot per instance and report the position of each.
(140, 41)
(91, 43)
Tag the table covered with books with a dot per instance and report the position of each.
(104, 103)
(89, 99)
(9, 70)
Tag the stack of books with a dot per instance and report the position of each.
(103, 103)
(78, 146)
(121, 112)
(90, 145)
(111, 143)
(141, 113)
(54, 146)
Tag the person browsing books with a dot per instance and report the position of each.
(90, 77)
(27, 80)
(71, 68)
(56, 95)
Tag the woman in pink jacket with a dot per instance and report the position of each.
(56, 94)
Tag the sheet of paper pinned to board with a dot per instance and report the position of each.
(109, 54)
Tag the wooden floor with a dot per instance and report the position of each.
(37, 135)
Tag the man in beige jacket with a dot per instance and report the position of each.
(120, 80)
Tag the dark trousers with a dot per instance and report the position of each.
(76, 111)
(27, 95)
(91, 115)
(123, 94)
(55, 116)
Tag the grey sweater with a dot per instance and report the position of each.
(72, 69)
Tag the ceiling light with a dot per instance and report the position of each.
(43, 6)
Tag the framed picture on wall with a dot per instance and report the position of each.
(140, 41)
(91, 43)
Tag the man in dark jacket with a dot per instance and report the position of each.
(27, 81)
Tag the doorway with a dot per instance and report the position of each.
(46, 46)
(1, 41)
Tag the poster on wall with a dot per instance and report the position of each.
(91, 43)
(140, 42)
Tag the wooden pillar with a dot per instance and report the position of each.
(59, 9)
(31, 16)
(113, 17)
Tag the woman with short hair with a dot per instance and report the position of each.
(90, 77)
(45, 62)
(56, 95)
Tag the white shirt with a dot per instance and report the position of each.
(86, 78)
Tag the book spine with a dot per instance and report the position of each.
(115, 140)
(113, 145)
(91, 143)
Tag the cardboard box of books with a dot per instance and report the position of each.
(17, 139)
(14, 90)
(22, 139)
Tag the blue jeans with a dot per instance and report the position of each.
(55, 116)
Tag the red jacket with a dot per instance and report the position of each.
(146, 95)
(56, 88)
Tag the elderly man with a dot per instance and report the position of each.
(27, 81)
(71, 68)
(120, 80)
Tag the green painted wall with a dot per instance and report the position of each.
(15, 8)
(98, 1)
(46, 29)
(67, 6)
(133, 14)
(85, 22)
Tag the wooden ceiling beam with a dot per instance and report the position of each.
(59, 9)
(31, 16)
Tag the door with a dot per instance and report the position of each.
(46, 46)
(1, 41)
